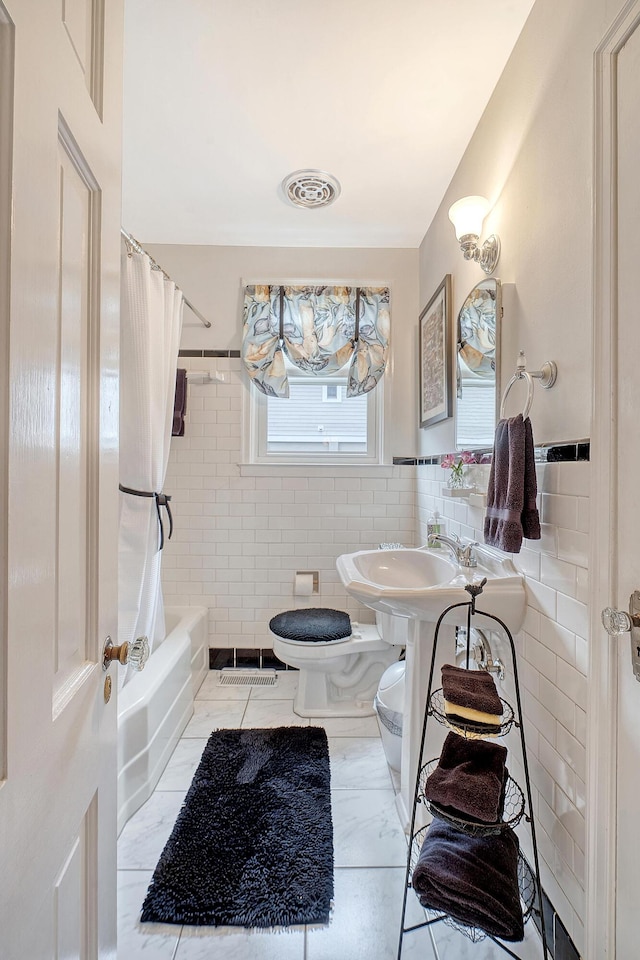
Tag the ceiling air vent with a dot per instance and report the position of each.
(310, 188)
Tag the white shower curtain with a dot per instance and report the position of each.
(151, 322)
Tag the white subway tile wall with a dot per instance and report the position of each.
(552, 655)
(239, 540)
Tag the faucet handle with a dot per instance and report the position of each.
(467, 556)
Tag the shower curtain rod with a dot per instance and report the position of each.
(135, 245)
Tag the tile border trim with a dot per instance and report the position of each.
(574, 451)
(230, 354)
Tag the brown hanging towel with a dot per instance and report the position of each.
(179, 403)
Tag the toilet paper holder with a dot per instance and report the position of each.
(307, 573)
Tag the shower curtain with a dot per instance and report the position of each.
(151, 322)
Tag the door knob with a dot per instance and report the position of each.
(133, 654)
(617, 622)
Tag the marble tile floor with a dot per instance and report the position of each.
(369, 848)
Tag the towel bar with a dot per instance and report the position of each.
(547, 376)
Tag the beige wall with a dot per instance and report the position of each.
(212, 278)
(531, 156)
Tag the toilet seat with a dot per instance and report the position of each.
(315, 625)
(364, 636)
(313, 644)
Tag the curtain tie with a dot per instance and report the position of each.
(162, 500)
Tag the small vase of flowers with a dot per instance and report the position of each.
(456, 463)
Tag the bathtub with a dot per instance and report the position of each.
(156, 705)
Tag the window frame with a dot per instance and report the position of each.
(258, 453)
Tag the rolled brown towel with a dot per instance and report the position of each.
(473, 879)
(469, 778)
(472, 689)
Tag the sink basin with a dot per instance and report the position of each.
(402, 569)
(421, 583)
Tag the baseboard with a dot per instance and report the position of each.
(256, 659)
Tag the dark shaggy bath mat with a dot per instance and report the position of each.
(253, 842)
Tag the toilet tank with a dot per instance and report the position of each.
(392, 629)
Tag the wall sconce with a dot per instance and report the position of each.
(467, 216)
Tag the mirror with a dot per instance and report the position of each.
(478, 366)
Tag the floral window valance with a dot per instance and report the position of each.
(319, 330)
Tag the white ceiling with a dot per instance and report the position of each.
(224, 98)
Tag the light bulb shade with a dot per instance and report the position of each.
(467, 215)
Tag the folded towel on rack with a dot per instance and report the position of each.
(473, 879)
(441, 810)
(473, 690)
(469, 778)
(511, 497)
(179, 403)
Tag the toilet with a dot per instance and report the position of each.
(340, 662)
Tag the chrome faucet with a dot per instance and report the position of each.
(463, 552)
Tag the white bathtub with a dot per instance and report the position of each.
(156, 705)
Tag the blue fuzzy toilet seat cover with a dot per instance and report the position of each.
(315, 625)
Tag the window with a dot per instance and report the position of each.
(475, 408)
(315, 356)
(316, 423)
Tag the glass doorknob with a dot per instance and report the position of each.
(616, 622)
(138, 653)
(134, 654)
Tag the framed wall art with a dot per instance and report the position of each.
(436, 401)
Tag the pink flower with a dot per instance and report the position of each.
(454, 461)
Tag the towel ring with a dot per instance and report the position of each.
(547, 376)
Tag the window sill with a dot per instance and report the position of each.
(380, 470)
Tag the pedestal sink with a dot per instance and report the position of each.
(419, 584)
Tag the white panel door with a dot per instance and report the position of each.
(628, 474)
(60, 119)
